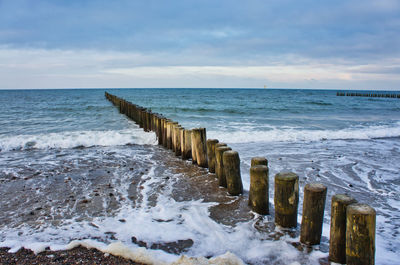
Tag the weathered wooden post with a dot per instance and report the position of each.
(165, 133)
(169, 140)
(178, 150)
(219, 164)
(187, 144)
(145, 124)
(231, 163)
(154, 123)
(211, 154)
(151, 123)
(170, 127)
(259, 161)
(360, 234)
(337, 239)
(142, 119)
(160, 130)
(199, 145)
(148, 116)
(219, 145)
(193, 145)
(286, 199)
(313, 213)
(182, 139)
(173, 136)
(259, 184)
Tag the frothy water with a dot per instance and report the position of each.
(77, 139)
(75, 171)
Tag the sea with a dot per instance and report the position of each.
(74, 171)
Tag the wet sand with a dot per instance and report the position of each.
(89, 185)
(79, 255)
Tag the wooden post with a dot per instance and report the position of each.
(337, 239)
(141, 124)
(199, 145)
(193, 145)
(219, 145)
(145, 125)
(165, 133)
(286, 199)
(161, 131)
(187, 144)
(219, 165)
(216, 146)
(360, 234)
(145, 121)
(170, 127)
(313, 213)
(148, 116)
(259, 161)
(231, 163)
(154, 122)
(173, 136)
(169, 139)
(151, 123)
(211, 154)
(178, 150)
(259, 196)
(182, 138)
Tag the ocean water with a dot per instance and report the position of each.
(73, 170)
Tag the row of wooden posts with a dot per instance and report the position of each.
(371, 95)
(352, 234)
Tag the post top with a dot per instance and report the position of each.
(259, 161)
(286, 176)
(344, 198)
(360, 209)
(212, 141)
(231, 153)
(315, 187)
(222, 148)
(259, 168)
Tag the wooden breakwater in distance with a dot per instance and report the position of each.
(352, 233)
(371, 95)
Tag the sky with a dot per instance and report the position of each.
(336, 44)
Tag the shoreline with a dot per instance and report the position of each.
(77, 255)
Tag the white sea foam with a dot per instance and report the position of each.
(297, 134)
(167, 221)
(77, 138)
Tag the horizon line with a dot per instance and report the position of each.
(249, 88)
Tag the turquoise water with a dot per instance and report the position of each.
(351, 144)
(227, 110)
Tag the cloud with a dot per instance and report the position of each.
(249, 42)
(41, 68)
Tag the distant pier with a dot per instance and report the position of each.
(370, 95)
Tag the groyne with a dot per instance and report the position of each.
(371, 95)
(353, 225)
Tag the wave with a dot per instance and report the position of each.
(295, 134)
(76, 139)
(319, 103)
(202, 110)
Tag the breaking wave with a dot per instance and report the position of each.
(77, 139)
